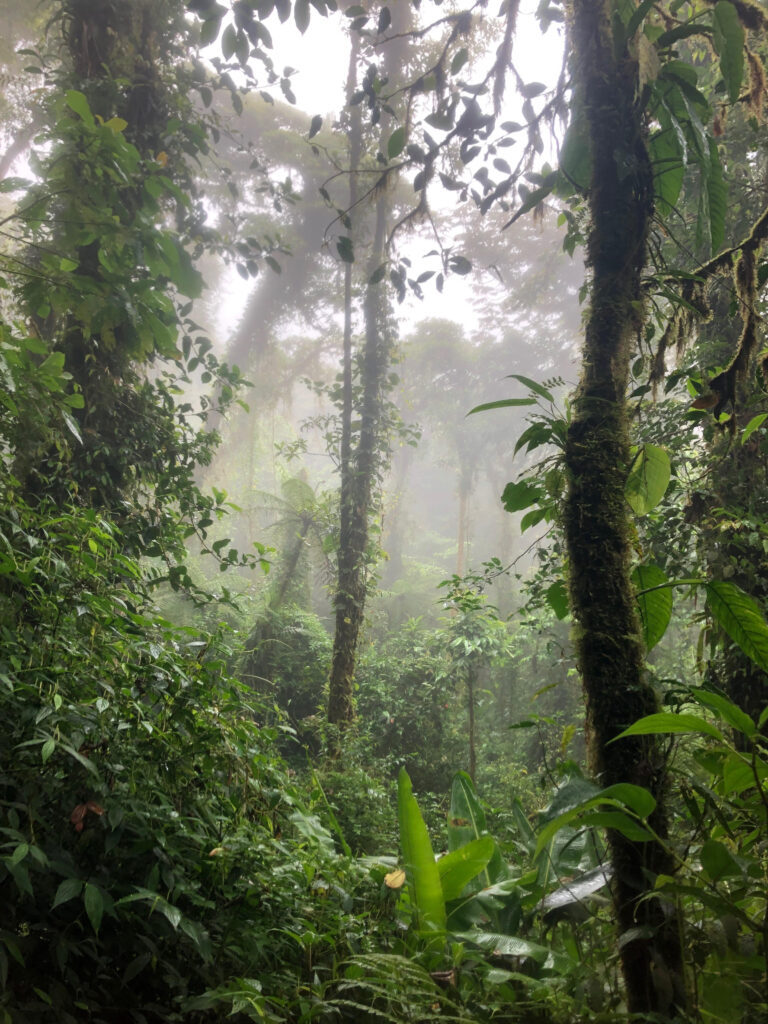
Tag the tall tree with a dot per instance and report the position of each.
(361, 460)
(597, 460)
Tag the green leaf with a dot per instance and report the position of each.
(466, 822)
(228, 42)
(533, 199)
(575, 155)
(532, 385)
(728, 711)
(301, 15)
(557, 598)
(94, 905)
(13, 184)
(67, 890)
(620, 796)
(460, 58)
(209, 32)
(385, 20)
(740, 618)
(77, 102)
(72, 425)
(47, 750)
(718, 861)
(517, 496)
(396, 143)
(656, 606)
(728, 38)
(619, 822)
(667, 160)
(666, 722)
(648, 479)
(459, 867)
(503, 403)
(54, 364)
(345, 249)
(315, 125)
(460, 265)
(754, 424)
(419, 859)
(466, 817)
(506, 945)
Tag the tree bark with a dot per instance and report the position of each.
(609, 646)
(341, 682)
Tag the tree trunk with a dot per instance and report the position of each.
(461, 537)
(609, 646)
(472, 748)
(341, 683)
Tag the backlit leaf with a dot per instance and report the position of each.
(648, 479)
(740, 618)
(517, 496)
(77, 102)
(655, 605)
(460, 866)
(728, 38)
(396, 142)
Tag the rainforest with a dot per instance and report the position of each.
(384, 512)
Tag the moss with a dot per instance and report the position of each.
(609, 645)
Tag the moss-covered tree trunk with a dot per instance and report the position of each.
(361, 464)
(609, 646)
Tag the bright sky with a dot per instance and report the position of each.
(321, 57)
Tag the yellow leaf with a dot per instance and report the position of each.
(395, 879)
(162, 158)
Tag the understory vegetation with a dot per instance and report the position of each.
(383, 513)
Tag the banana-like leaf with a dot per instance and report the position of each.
(459, 867)
(419, 859)
(466, 821)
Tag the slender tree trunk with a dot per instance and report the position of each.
(472, 747)
(609, 647)
(461, 538)
(341, 684)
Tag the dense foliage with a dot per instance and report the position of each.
(215, 803)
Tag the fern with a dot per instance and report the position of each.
(390, 988)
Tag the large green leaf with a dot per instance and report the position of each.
(664, 722)
(419, 859)
(620, 796)
(648, 479)
(728, 37)
(575, 162)
(502, 403)
(459, 867)
(738, 615)
(532, 385)
(655, 604)
(668, 162)
(726, 709)
(520, 495)
(76, 101)
(466, 822)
